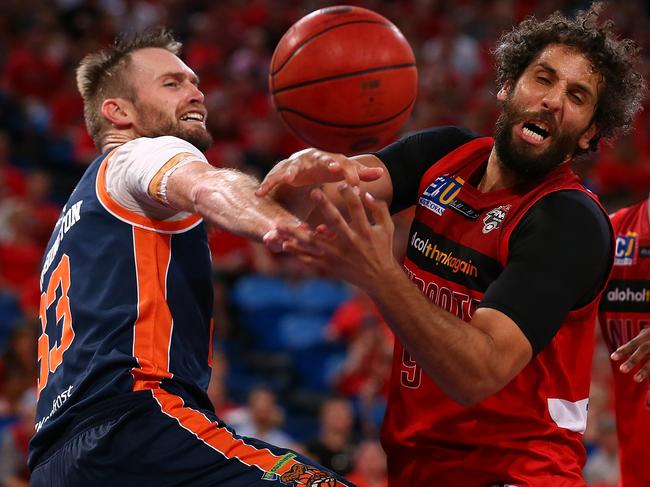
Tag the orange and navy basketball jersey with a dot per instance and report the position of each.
(126, 305)
(529, 431)
(624, 312)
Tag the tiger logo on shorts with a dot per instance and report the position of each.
(300, 475)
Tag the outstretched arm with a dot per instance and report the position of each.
(291, 180)
(225, 198)
(393, 175)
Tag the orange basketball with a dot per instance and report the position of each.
(344, 79)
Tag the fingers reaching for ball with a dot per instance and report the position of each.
(312, 167)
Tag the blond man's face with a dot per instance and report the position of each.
(167, 98)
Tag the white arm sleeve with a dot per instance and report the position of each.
(135, 164)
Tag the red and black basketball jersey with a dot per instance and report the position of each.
(624, 312)
(529, 431)
(126, 305)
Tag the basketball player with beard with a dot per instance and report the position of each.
(126, 305)
(495, 303)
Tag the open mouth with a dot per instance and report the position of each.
(192, 117)
(536, 130)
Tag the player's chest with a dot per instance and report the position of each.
(450, 210)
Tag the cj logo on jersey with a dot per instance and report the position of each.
(624, 249)
(441, 193)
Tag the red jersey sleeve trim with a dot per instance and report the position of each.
(574, 184)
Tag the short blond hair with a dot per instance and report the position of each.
(102, 75)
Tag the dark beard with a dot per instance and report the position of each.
(156, 125)
(520, 159)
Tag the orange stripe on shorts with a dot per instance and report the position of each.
(153, 327)
(152, 338)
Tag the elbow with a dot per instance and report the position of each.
(475, 384)
(475, 392)
(207, 198)
(468, 398)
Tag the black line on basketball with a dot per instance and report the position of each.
(345, 126)
(309, 39)
(342, 76)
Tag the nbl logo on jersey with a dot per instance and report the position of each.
(441, 193)
(625, 249)
(494, 218)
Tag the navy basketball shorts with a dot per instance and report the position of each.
(159, 441)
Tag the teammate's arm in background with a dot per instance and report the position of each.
(637, 353)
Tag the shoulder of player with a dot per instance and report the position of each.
(571, 203)
(570, 212)
(453, 134)
(162, 142)
(427, 145)
(153, 149)
(620, 216)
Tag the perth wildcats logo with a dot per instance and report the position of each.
(303, 475)
(494, 218)
(441, 193)
(300, 475)
(625, 249)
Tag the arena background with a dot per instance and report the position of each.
(300, 361)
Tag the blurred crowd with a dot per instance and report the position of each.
(299, 361)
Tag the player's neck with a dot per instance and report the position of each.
(114, 139)
(496, 175)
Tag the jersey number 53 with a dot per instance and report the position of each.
(51, 358)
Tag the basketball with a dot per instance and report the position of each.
(343, 79)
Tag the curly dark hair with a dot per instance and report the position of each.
(103, 74)
(617, 60)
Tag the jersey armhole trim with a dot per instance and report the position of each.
(132, 218)
(505, 249)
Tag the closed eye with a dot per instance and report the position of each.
(577, 98)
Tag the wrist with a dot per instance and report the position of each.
(388, 279)
(295, 198)
(279, 231)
